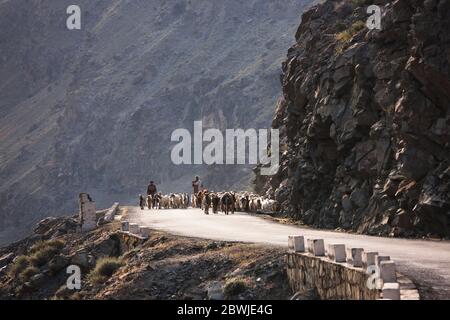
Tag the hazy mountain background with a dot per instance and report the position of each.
(93, 110)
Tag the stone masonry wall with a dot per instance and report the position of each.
(331, 281)
(337, 272)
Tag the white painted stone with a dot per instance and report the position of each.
(387, 271)
(354, 257)
(391, 291)
(336, 252)
(379, 259)
(87, 215)
(369, 259)
(316, 247)
(145, 232)
(125, 226)
(296, 243)
(133, 228)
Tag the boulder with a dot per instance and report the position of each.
(80, 259)
(215, 291)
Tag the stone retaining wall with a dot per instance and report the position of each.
(339, 273)
(129, 241)
(329, 279)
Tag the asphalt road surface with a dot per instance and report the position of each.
(426, 262)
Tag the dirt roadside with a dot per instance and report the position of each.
(162, 267)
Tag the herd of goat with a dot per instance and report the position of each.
(226, 202)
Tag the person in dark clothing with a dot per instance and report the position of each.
(152, 191)
(196, 184)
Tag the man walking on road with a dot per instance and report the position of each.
(151, 191)
(196, 184)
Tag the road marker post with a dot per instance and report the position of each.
(387, 272)
(336, 252)
(296, 243)
(354, 257)
(316, 247)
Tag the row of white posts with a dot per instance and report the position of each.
(355, 257)
(135, 230)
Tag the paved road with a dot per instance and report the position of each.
(427, 263)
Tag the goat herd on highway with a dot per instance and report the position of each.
(226, 202)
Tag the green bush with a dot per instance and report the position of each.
(26, 274)
(104, 268)
(235, 286)
(21, 263)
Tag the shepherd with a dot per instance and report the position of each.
(151, 191)
(196, 185)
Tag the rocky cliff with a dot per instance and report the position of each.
(364, 120)
(92, 110)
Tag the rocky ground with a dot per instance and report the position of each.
(364, 120)
(162, 267)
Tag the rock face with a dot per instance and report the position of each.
(364, 120)
(92, 110)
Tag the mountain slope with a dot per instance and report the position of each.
(92, 110)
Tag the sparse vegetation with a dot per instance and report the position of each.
(39, 254)
(42, 256)
(235, 286)
(104, 269)
(43, 251)
(26, 274)
(21, 263)
(56, 244)
(151, 262)
(347, 35)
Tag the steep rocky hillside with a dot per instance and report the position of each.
(116, 266)
(93, 110)
(365, 120)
